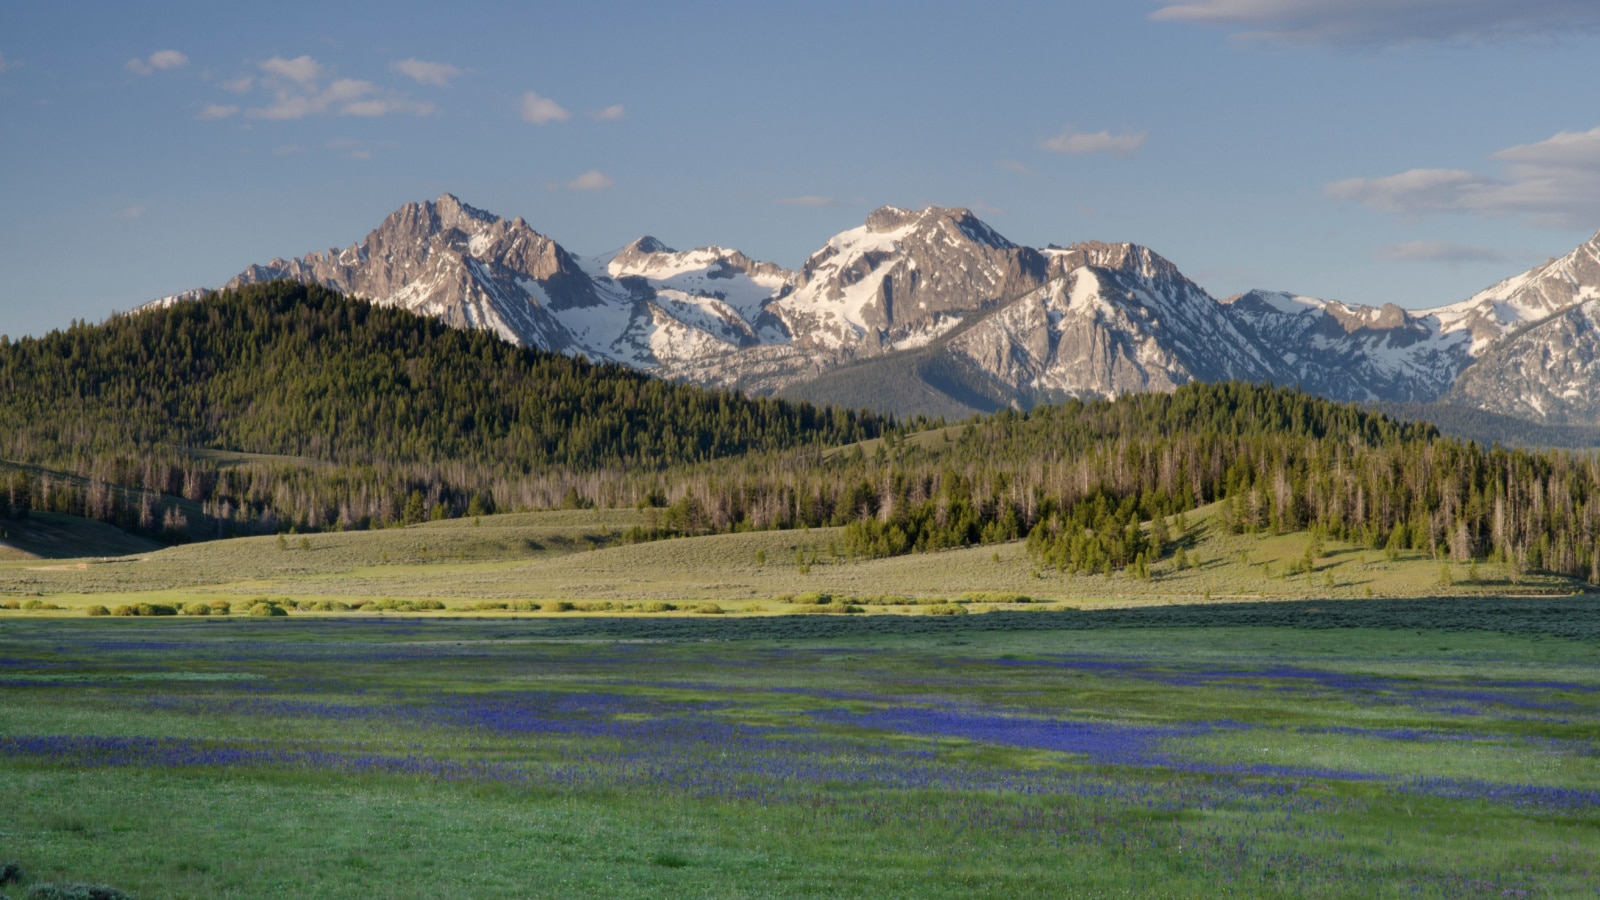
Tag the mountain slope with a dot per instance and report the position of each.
(285, 368)
(982, 321)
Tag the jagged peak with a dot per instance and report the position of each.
(647, 244)
(889, 219)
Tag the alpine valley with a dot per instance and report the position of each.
(935, 312)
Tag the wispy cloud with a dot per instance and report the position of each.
(592, 180)
(811, 200)
(6, 64)
(1080, 143)
(302, 69)
(297, 92)
(130, 213)
(1012, 165)
(437, 74)
(217, 111)
(239, 85)
(610, 114)
(1439, 252)
(542, 110)
(1387, 22)
(1551, 182)
(161, 60)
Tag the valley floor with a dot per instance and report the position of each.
(407, 757)
(578, 556)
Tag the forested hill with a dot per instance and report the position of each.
(285, 368)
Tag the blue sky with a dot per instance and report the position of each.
(1405, 151)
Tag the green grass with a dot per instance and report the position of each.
(681, 815)
(576, 555)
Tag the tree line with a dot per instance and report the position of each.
(285, 406)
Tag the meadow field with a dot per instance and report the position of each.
(581, 556)
(1008, 754)
(676, 718)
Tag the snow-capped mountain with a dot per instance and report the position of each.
(971, 312)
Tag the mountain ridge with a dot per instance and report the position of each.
(1023, 325)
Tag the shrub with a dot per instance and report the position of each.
(484, 605)
(10, 871)
(814, 599)
(39, 605)
(784, 598)
(708, 609)
(221, 607)
(525, 606)
(558, 606)
(268, 609)
(124, 610)
(994, 597)
(10, 604)
(656, 606)
(155, 609)
(98, 610)
(73, 891)
(946, 609)
(197, 609)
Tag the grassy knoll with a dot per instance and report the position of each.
(547, 757)
(45, 535)
(580, 555)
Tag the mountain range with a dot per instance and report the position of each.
(933, 311)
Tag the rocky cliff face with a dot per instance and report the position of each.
(980, 321)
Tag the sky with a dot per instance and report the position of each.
(1371, 151)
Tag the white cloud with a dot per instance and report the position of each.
(297, 92)
(423, 72)
(611, 113)
(302, 70)
(811, 200)
(592, 180)
(1079, 143)
(161, 59)
(217, 111)
(542, 110)
(1440, 251)
(1012, 165)
(1387, 22)
(387, 106)
(1551, 182)
(239, 85)
(4, 65)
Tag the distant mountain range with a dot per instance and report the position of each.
(933, 311)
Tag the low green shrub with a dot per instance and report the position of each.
(657, 606)
(197, 609)
(11, 604)
(826, 609)
(268, 610)
(525, 606)
(484, 606)
(814, 599)
(155, 609)
(221, 607)
(39, 605)
(994, 597)
(124, 610)
(558, 606)
(946, 609)
(98, 610)
(10, 871)
(708, 609)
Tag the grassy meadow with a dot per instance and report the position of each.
(579, 556)
(1376, 727)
